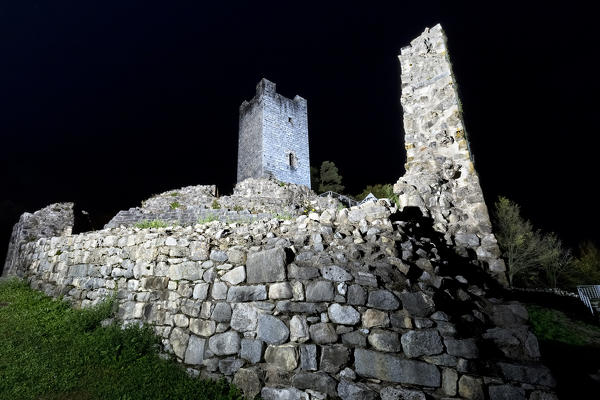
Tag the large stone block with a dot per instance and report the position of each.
(266, 266)
(419, 343)
(391, 368)
(272, 330)
(195, 350)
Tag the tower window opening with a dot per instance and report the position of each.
(292, 161)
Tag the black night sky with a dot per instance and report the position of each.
(105, 103)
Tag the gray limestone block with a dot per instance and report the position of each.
(335, 273)
(356, 295)
(230, 365)
(308, 357)
(333, 358)
(533, 374)
(346, 315)
(323, 333)
(348, 390)
(289, 393)
(221, 312)
(302, 272)
(354, 339)
(300, 307)
(383, 340)
(419, 343)
(224, 344)
(272, 330)
(317, 291)
(247, 293)
(392, 393)
(218, 256)
(251, 350)
(383, 300)
(506, 392)
(471, 388)
(244, 317)
(315, 381)
(417, 304)
(466, 348)
(248, 381)
(391, 368)
(195, 350)
(266, 266)
(284, 356)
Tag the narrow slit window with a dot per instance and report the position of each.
(292, 162)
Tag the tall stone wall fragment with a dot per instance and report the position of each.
(440, 177)
(273, 137)
(54, 220)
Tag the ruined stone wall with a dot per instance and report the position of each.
(344, 303)
(440, 177)
(281, 126)
(53, 220)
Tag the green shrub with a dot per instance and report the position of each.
(49, 350)
(215, 205)
(174, 205)
(157, 223)
(237, 208)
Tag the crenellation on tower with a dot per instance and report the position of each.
(273, 137)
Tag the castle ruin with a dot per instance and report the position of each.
(273, 137)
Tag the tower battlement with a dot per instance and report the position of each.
(273, 137)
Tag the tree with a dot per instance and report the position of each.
(516, 238)
(554, 260)
(315, 178)
(586, 268)
(330, 178)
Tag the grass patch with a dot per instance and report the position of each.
(174, 194)
(207, 219)
(157, 223)
(550, 324)
(174, 205)
(49, 351)
(215, 205)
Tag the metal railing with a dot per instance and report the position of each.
(343, 198)
(590, 295)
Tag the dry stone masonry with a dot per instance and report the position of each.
(273, 137)
(440, 177)
(352, 303)
(305, 299)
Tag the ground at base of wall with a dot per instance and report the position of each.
(50, 351)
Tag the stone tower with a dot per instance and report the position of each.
(273, 137)
(440, 177)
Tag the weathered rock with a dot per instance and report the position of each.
(417, 304)
(248, 382)
(346, 315)
(224, 344)
(179, 341)
(335, 273)
(323, 333)
(299, 329)
(219, 291)
(384, 340)
(230, 365)
(355, 391)
(202, 327)
(284, 356)
(419, 343)
(266, 266)
(272, 330)
(195, 350)
(218, 256)
(333, 358)
(506, 392)
(449, 381)
(391, 393)
(316, 381)
(317, 291)
(251, 350)
(308, 357)
(221, 312)
(280, 290)
(391, 368)
(505, 315)
(533, 374)
(466, 348)
(356, 295)
(383, 300)
(235, 276)
(246, 293)
(244, 317)
(354, 339)
(470, 388)
(375, 318)
(269, 393)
